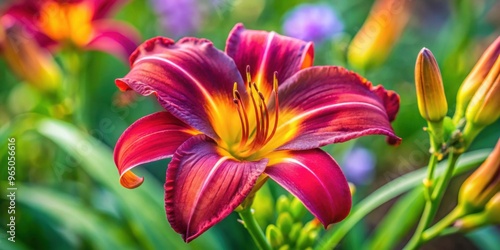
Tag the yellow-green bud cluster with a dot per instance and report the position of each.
(289, 231)
(477, 97)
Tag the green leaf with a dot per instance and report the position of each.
(143, 207)
(71, 214)
(391, 190)
(400, 219)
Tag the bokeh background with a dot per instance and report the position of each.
(69, 196)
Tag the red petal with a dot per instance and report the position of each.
(267, 52)
(191, 79)
(114, 37)
(315, 178)
(150, 138)
(203, 187)
(324, 105)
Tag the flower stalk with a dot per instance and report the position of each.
(246, 214)
(433, 107)
(432, 205)
(443, 224)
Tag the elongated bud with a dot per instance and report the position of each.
(297, 209)
(493, 209)
(430, 92)
(475, 78)
(295, 231)
(490, 216)
(274, 236)
(373, 43)
(285, 223)
(482, 185)
(29, 61)
(285, 247)
(483, 108)
(308, 234)
(283, 204)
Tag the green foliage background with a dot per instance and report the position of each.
(69, 196)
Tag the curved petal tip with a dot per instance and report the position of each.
(130, 180)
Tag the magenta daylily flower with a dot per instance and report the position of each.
(256, 110)
(81, 23)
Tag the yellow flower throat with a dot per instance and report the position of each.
(257, 124)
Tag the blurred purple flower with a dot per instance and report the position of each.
(359, 166)
(312, 22)
(179, 18)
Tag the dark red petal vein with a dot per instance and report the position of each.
(203, 187)
(150, 138)
(314, 177)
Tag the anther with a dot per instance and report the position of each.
(249, 77)
(275, 81)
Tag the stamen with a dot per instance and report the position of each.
(247, 130)
(259, 133)
(265, 116)
(257, 118)
(276, 106)
(243, 117)
(235, 91)
(249, 77)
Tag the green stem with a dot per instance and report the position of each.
(439, 227)
(431, 206)
(390, 191)
(438, 193)
(429, 181)
(449, 230)
(459, 114)
(253, 228)
(469, 134)
(436, 136)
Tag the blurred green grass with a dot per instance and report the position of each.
(67, 203)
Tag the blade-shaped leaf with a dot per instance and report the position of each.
(143, 206)
(391, 190)
(71, 214)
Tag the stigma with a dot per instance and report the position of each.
(256, 130)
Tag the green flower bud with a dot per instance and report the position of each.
(295, 232)
(493, 209)
(308, 234)
(297, 209)
(482, 185)
(274, 236)
(490, 215)
(475, 78)
(430, 92)
(285, 247)
(285, 223)
(282, 204)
